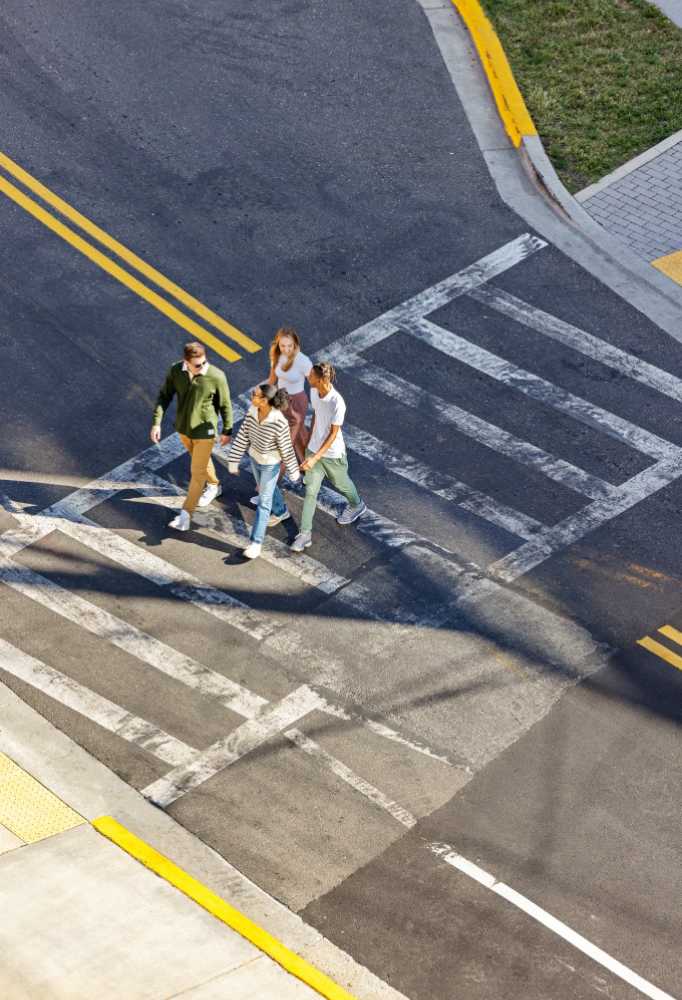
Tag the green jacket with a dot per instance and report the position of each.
(200, 401)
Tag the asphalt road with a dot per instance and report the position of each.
(430, 676)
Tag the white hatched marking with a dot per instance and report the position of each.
(540, 389)
(357, 783)
(480, 430)
(93, 706)
(455, 860)
(579, 340)
(439, 483)
(241, 741)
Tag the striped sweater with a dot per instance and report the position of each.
(268, 443)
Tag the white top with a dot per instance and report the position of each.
(293, 380)
(329, 409)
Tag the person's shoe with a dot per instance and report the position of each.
(211, 491)
(350, 514)
(278, 518)
(252, 550)
(254, 500)
(303, 540)
(181, 522)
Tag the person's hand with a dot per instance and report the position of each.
(307, 465)
(155, 434)
(233, 469)
(225, 439)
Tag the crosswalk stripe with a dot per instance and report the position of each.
(439, 483)
(93, 706)
(241, 741)
(658, 649)
(480, 430)
(352, 779)
(539, 389)
(586, 343)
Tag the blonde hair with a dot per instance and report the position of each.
(276, 352)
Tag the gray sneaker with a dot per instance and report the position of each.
(350, 514)
(303, 540)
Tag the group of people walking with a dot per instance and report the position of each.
(273, 435)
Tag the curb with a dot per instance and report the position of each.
(219, 908)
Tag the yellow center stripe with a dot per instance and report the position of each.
(671, 633)
(658, 649)
(115, 271)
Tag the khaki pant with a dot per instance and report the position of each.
(203, 469)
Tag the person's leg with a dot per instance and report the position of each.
(211, 477)
(337, 471)
(266, 477)
(295, 414)
(313, 481)
(201, 456)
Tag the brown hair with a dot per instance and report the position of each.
(275, 351)
(325, 371)
(194, 350)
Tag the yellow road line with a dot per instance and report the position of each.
(671, 633)
(127, 255)
(28, 809)
(510, 104)
(658, 649)
(265, 942)
(117, 272)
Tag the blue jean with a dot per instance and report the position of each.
(270, 498)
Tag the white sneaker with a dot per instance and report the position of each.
(303, 540)
(252, 550)
(181, 522)
(211, 491)
(254, 500)
(350, 514)
(278, 518)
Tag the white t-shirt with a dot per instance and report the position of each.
(329, 409)
(293, 380)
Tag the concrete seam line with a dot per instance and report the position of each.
(510, 104)
(292, 963)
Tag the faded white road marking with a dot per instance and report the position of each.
(357, 783)
(540, 389)
(480, 430)
(241, 741)
(93, 706)
(455, 860)
(439, 483)
(586, 343)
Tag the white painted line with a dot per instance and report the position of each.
(529, 555)
(455, 860)
(493, 437)
(579, 340)
(439, 483)
(241, 741)
(357, 783)
(540, 389)
(93, 706)
(132, 640)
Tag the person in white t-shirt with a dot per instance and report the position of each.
(326, 454)
(289, 367)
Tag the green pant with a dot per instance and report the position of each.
(336, 469)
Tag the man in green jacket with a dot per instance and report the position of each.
(203, 395)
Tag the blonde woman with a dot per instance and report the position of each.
(289, 367)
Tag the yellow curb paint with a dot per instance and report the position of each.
(97, 257)
(510, 104)
(164, 868)
(658, 649)
(128, 255)
(28, 809)
(671, 265)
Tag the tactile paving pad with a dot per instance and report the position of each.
(28, 809)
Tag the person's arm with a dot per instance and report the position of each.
(163, 401)
(287, 453)
(312, 460)
(225, 408)
(239, 446)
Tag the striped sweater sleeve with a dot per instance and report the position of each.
(239, 444)
(286, 450)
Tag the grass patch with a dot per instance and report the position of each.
(602, 79)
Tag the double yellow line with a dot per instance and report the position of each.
(658, 649)
(115, 270)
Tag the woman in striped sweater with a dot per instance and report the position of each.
(265, 434)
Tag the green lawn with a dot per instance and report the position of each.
(601, 78)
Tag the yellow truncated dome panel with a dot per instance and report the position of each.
(28, 809)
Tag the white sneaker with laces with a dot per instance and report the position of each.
(181, 522)
(211, 491)
(278, 518)
(252, 550)
(350, 514)
(303, 540)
